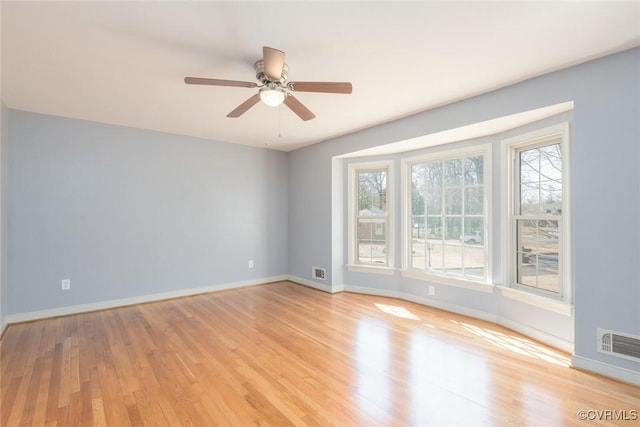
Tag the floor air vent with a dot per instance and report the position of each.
(619, 344)
(318, 273)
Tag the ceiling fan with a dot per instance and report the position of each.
(272, 73)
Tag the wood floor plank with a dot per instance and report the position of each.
(283, 354)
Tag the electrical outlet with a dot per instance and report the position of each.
(432, 290)
(250, 263)
(65, 284)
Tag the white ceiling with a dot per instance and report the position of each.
(124, 62)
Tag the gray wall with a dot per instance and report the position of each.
(125, 212)
(606, 200)
(3, 184)
(4, 144)
(605, 194)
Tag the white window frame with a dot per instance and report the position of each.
(352, 211)
(510, 148)
(480, 284)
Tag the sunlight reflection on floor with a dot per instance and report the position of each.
(517, 344)
(372, 356)
(447, 372)
(501, 340)
(397, 311)
(507, 342)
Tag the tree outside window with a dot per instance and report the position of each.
(538, 217)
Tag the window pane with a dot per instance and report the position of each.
(434, 256)
(473, 200)
(434, 201)
(473, 170)
(417, 227)
(421, 249)
(433, 175)
(453, 172)
(453, 259)
(538, 254)
(453, 230)
(418, 254)
(372, 192)
(371, 237)
(530, 165)
(549, 232)
(527, 274)
(453, 201)
(526, 235)
(551, 198)
(417, 203)
(548, 277)
(473, 231)
(418, 177)
(474, 260)
(551, 162)
(529, 199)
(548, 254)
(541, 180)
(529, 182)
(434, 228)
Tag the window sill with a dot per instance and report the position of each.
(546, 303)
(361, 268)
(450, 281)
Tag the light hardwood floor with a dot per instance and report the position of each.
(283, 354)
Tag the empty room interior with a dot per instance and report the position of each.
(320, 213)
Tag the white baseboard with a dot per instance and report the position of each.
(621, 374)
(3, 327)
(538, 335)
(311, 284)
(103, 305)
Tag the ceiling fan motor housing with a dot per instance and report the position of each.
(259, 67)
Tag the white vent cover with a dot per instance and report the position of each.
(619, 344)
(318, 273)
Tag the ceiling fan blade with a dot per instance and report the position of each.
(217, 82)
(273, 63)
(326, 87)
(296, 106)
(242, 108)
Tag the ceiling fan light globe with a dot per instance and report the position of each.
(272, 97)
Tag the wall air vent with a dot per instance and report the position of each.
(318, 273)
(619, 344)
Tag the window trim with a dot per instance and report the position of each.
(352, 264)
(484, 149)
(510, 147)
